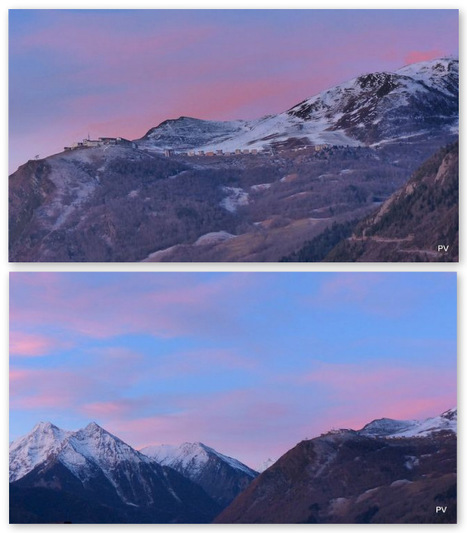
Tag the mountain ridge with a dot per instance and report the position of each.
(349, 113)
(132, 202)
(398, 472)
(222, 477)
(90, 475)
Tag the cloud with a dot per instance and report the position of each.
(40, 389)
(360, 392)
(159, 307)
(32, 345)
(229, 359)
(416, 56)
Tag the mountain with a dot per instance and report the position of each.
(93, 466)
(387, 427)
(368, 109)
(415, 221)
(222, 477)
(266, 464)
(388, 472)
(26, 453)
(329, 161)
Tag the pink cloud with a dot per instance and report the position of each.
(416, 56)
(166, 311)
(112, 409)
(48, 388)
(359, 393)
(32, 345)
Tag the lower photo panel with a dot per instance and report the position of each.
(233, 398)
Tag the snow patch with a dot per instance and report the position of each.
(236, 198)
(214, 237)
(400, 483)
(260, 187)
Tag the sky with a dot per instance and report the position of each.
(122, 72)
(247, 363)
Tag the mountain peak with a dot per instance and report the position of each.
(35, 447)
(387, 427)
(44, 426)
(450, 414)
(93, 427)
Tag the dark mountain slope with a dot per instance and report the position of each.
(222, 477)
(91, 465)
(415, 220)
(345, 477)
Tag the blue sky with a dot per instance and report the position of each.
(249, 363)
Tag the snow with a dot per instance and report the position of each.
(34, 448)
(260, 187)
(431, 73)
(265, 464)
(400, 483)
(411, 462)
(190, 458)
(213, 237)
(82, 452)
(314, 120)
(444, 422)
(386, 427)
(237, 197)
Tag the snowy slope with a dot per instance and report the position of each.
(122, 483)
(440, 74)
(34, 448)
(265, 465)
(93, 449)
(366, 109)
(191, 457)
(386, 427)
(83, 453)
(221, 477)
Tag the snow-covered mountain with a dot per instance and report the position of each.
(387, 427)
(265, 465)
(80, 451)
(93, 464)
(26, 453)
(375, 107)
(222, 477)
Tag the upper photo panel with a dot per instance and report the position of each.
(233, 135)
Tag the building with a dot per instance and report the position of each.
(108, 140)
(89, 143)
(76, 145)
(319, 147)
(219, 152)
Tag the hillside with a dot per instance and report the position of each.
(414, 221)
